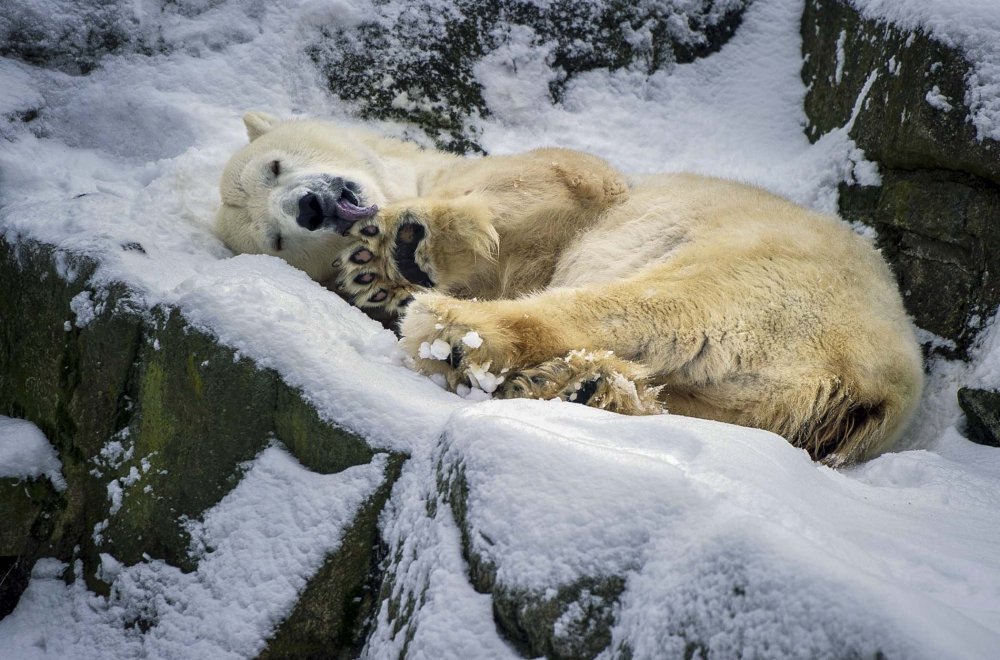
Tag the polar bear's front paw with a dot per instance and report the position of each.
(447, 340)
(383, 266)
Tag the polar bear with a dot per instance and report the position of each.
(550, 274)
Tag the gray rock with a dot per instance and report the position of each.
(426, 52)
(73, 36)
(940, 194)
(189, 412)
(982, 412)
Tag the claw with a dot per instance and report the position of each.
(455, 357)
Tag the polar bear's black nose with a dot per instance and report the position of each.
(310, 212)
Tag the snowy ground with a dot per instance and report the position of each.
(898, 554)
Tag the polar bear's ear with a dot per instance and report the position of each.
(258, 123)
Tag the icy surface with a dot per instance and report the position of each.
(122, 164)
(25, 453)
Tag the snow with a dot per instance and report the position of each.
(472, 339)
(121, 164)
(25, 453)
(439, 349)
(687, 509)
(938, 100)
(841, 58)
(257, 548)
(83, 307)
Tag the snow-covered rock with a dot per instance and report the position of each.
(444, 64)
(401, 520)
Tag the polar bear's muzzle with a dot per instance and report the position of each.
(331, 202)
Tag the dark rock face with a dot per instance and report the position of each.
(940, 195)
(938, 229)
(982, 411)
(139, 403)
(417, 64)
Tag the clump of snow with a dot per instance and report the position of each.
(838, 74)
(472, 339)
(25, 453)
(83, 307)
(439, 349)
(481, 377)
(472, 392)
(937, 100)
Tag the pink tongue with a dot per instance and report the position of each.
(348, 211)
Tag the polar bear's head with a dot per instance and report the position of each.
(296, 188)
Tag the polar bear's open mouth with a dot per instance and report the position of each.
(318, 209)
(349, 207)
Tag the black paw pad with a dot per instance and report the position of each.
(586, 391)
(380, 296)
(369, 230)
(365, 278)
(404, 252)
(362, 256)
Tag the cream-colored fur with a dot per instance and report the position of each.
(701, 296)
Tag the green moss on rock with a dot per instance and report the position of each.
(319, 445)
(153, 421)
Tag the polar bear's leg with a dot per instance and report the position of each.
(450, 237)
(546, 343)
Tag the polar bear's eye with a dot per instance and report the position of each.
(275, 167)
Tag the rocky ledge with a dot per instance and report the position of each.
(141, 406)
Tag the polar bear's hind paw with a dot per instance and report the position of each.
(596, 379)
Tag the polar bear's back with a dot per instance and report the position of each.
(837, 358)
